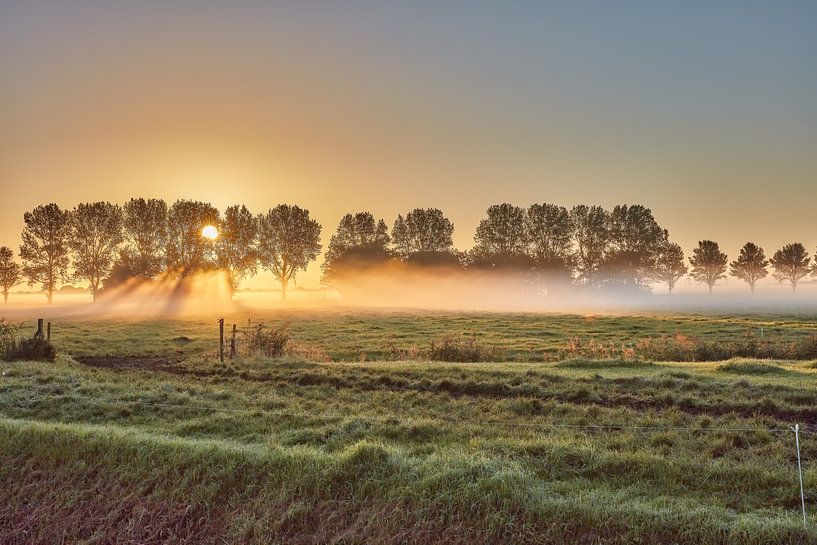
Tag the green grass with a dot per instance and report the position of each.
(357, 335)
(288, 451)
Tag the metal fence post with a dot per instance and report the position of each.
(796, 430)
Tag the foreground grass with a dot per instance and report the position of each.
(263, 451)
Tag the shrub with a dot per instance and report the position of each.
(13, 347)
(270, 342)
(459, 349)
(33, 349)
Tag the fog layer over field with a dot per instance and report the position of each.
(209, 293)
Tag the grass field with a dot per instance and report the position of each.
(152, 441)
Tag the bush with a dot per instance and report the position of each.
(459, 349)
(270, 342)
(33, 349)
(13, 347)
(679, 347)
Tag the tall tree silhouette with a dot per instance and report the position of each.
(96, 233)
(791, 264)
(751, 265)
(145, 229)
(45, 250)
(501, 241)
(359, 242)
(708, 263)
(236, 244)
(634, 240)
(288, 239)
(10, 274)
(187, 250)
(423, 230)
(591, 235)
(669, 264)
(549, 233)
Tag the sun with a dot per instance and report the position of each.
(209, 232)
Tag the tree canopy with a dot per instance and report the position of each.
(708, 263)
(751, 265)
(45, 247)
(288, 240)
(10, 273)
(791, 264)
(96, 233)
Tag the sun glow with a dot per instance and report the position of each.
(209, 232)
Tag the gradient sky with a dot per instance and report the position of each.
(704, 111)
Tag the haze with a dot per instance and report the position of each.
(707, 114)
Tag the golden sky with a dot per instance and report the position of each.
(705, 112)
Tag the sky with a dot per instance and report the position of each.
(704, 111)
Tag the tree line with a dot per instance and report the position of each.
(104, 245)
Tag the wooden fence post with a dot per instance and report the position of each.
(40, 328)
(48, 331)
(232, 344)
(221, 339)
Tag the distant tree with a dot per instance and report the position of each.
(669, 264)
(501, 241)
(145, 228)
(288, 239)
(422, 230)
(187, 250)
(791, 264)
(9, 271)
(751, 265)
(45, 250)
(708, 263)
(96, 233)
(502, 232)
(236, 244)
(359, 242)
(634, 240)
(591, 234)
(550, 234)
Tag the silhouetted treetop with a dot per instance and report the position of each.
(422, 230)
(791, 264)
(96, 233)
(187, 250)
(751, 265)
(288, 240)
(45, 250)
(708, 263)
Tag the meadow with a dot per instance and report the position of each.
(138, 434)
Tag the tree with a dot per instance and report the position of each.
(634, 239)
(791, 263)
(500, 239)
(9, 271)
(708, 263)
(44, 250)
(145, 228)
(549, 232)
(187, 250)
(422, 230)
(751, 265)
(359, 242)
(669, 264)
(591, 234)
(287, 241)
(236, 244)
(96, 233)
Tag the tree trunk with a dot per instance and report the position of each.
(6, 296)
(50, 294)
(284, 290)
(710, 289)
